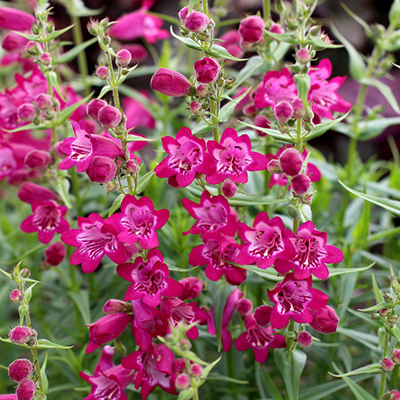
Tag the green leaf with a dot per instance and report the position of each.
(219, 292)
(28, 292)
(356, 63)
(143, 181)
(380, 306)
(67, 112)
(373, 128)
(361, 230)
(209, 367)
(81, 299)
(105, 89)
(340, 271)
(370, 341)
(368, 369)
(395, 332)
(35, 38)
(177, 269)
(316, 41)
(265, 384)
(224, 378)
(58, 33)
(63, 191)
(267, 274)
(203, 128)
(7, 274)
(377, 292)
(385, 90)
(71, 54)
(43, 375)
(187, 394)
(228, 109)
(22, 310)
(135, 94)
(76, 8)
(291, 365)
(254, 66)
(52, 78)
(192, 3)
(31, 126)
(41, 344)
(390, 205)
(303, 83)
(282, 37)
(367, 28)
(320, 129)
(116, 204)
(135, 138)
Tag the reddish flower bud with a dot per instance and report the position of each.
(244, 307)
(303, 56)
(207, 70)
(263, 122)
(183, 13)
(250, 111)
(26, 390)
(16, 20)
(195, 107)
(93, 108)
(123, 58)
(276, 28)
(44, 102)
(29, 192)
(300, 184)
(229, 188)
(197, 22)
(27, 112)
(102, 73)
(33, 48)
(192, 288)
(101, 169)
(132, 167)
(251, 29)
(395, 395)
(396, 356)
(138, 52)
(182, 382)
(387, 364)
(304, 339)
(114, 306)
(21, 334)
(55, 253)
(196, 370)
(109, 117)
(38, 160)
(291, 162)
(274, 167)
(283, 111)
(13, 43)
(45, 58)
(262, 315)
(325, 319)
(15, 296)
(298, 109)
(203, 90)
(20, 370)
(170, 83)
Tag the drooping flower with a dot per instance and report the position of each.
(251, 29)
(312, 254)
(325, 319)
(46, 220)
(233, 158)
(154, 368)
(94, 239)
(258, 338)
(29, 192)
(213, 214)
(187, 156)
(170, 83)
(138, 221)
(293, 298)
(16, 20)
(192, 288)
(267, 241)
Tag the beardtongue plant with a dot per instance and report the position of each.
(245, 197)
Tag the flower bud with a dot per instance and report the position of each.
(244, 307)
(251, 29)
(396, 356)
(26, 390)
(25, 273)
(283, 111)
(290, 162)
(15, 296)
(33, 48)
(27, 112)
(250, 111)
(197, 22)
(138, 52)
(29, 192)
(262, 315)
(170, 83)
(388, 297)
(229, 188)
(38, 160)
(44, 102)
(109, 117)
(45, 59)
(306, 198)
(111, 187)
(132, 167)
(395, 395)
(300, 184)
(293, 211)
(263, 122)
(55, 253)
(276, 28)
(325, 319)
(203, 90)
(303, 56)
(274, 167)
(114, 306)
(123, 58)
(93, 108)
(101, 169)
(196, 370)
(182, 382)
(304, 339)
(102, 73)
(192, 288)
(21, 335)
(387, 365)
(195, 107)
(207, 70)
(13, 43)
(20, 370)
(183, 13)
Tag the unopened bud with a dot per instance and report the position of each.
(111, 187)
(20, 370)
(123, 58)
(182, 382)
(203, 90)
(44, 102)
(22, 335)
(114, 306)
(195, 107)
(244, 307)
(102, 72)
(196, 370)
(26, 390)
(45, 59)
(388, 298)
(293, 211)
(300, 184)
(387, 365)
(273, 167)
(304, 339)
(303, 56)
(27, 112)
(25, 273)
(229, 188)
(15, 296)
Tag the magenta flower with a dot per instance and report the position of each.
(233, 158)
(94, 239)
(213, 253)
(15, 20)
(230, 41)
(192, 288)
(47, 219)
(312, 253)
(267, 241)
(259, 338)
(251, 29)
(156, 325)
(177, 311)
(323, 93)
(84, 146)
(139, 221)
(187, 156)
(325, 319)
(55, 253)
(29, 192)
(207, 70)
(292, 299)
(170, 83)
(154, 367)
(108, 381)
(106, 329)
(139, 24)
(213, 214)
(150, 279)
(136, 114)
(276, 87)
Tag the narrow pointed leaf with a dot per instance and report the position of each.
(368, 369)
(143, 181)
(116, 204)
(52, 77)
(377, 292)
(71, 54)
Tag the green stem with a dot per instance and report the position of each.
(383, 375)
(82, 63)
(167, 18)
(214, 119)
(290, 341)
(75, 189)
(152, 51)
(266, 9)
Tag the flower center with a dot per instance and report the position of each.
(258, 337)
(293, 297)
(233, 160)
(211, 217)
(266, 243)
(81, 148)
(94, 242)
(309, 252)
(139, 221)
(47, 217)
(187, 156)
